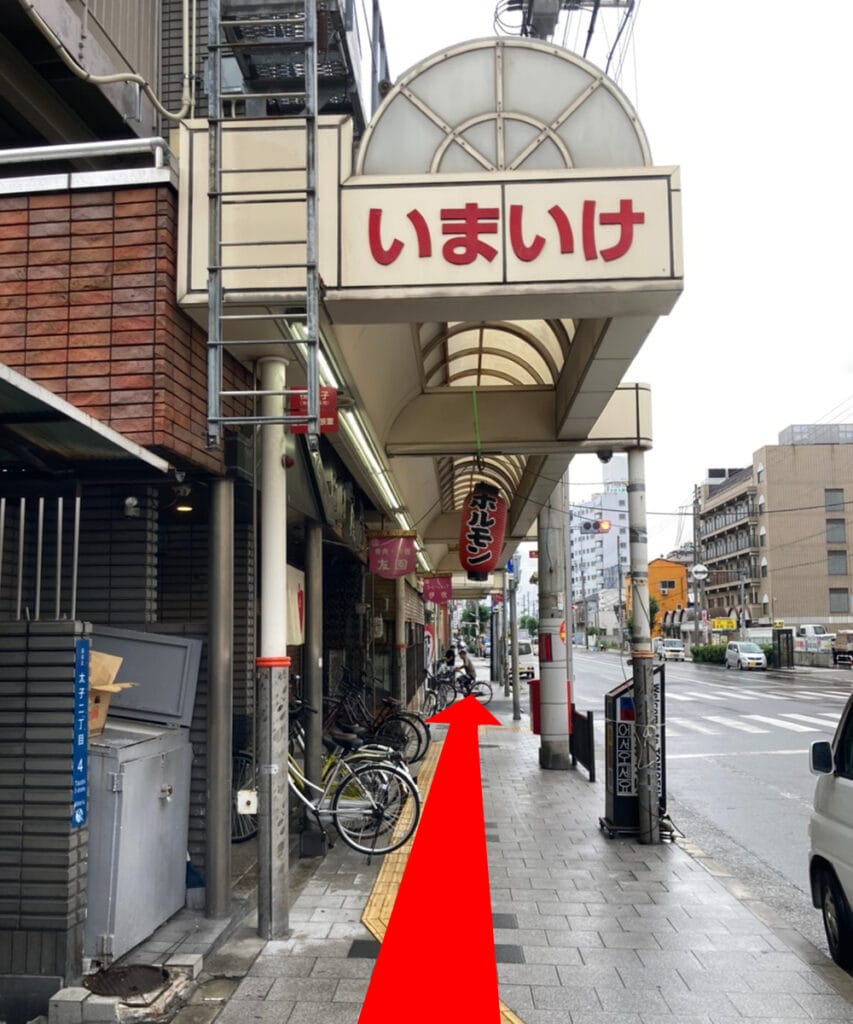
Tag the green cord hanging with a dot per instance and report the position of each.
(479, 455)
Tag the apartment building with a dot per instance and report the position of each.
(600, 558)
(775, 534)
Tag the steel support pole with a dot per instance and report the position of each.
(400, 639)
(311, 840)
(219, 700)
(568, 596)
(513, 632)
(646, 725)
(553, 672)
(273, 665)
(505, 638)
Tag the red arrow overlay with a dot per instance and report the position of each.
(443, 907)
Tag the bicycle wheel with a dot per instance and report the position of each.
(243, 826)
(446, 694)
(400, 734)
(377, 809)
(430, 702)
(482, 690)
(422, 728)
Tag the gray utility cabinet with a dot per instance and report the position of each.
(139, 792)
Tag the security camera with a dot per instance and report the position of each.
(605, 455)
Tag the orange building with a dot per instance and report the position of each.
(667, 585)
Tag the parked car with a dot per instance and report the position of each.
(831, 837)
(670, 649)
(527, 664)
(744, 654)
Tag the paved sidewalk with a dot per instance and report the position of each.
(588, 930)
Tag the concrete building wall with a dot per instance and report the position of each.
(771, 521)
(794, 519)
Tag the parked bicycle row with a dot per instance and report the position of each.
(366, 789)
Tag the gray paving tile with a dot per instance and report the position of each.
(830, 1007)
(299, 990)
(266, 1010)
(342, 967)
(280, 965)
(325, 1013)
(769, 1004)
(351, 990)
(589, 975)
(527, 974)
(642, 1000)
(571, 999)
(552, 955)
(254, 988)
(517, 997)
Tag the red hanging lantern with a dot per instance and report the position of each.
(481, 532)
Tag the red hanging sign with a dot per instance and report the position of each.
(481, 531)
(391, 555)
(438, 589)
(328, 410)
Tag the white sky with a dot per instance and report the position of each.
(751, 103)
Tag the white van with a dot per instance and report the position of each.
(669, 649)
(831, 837)
(527, 663)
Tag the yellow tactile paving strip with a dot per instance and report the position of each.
(377, 913)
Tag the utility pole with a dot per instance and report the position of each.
(696, 560)
(621, 616)
(553, 671)
(647, 724)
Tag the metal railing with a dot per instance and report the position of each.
(86, 150)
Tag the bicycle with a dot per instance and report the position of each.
(389, 725)
(366, 802)
(439, 693)
(338, 745)
(468, 686)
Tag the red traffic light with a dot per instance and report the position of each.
(603, 525)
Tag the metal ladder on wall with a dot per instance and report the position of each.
(280, 38)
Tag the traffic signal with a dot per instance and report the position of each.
(596, 526)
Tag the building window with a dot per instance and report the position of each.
(839, 601)
(666, 586)
(836, 563)
(836, 531)
(764, 570)
(833, 499)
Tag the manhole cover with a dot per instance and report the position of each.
(131, 982)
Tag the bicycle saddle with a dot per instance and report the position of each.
(345, 739)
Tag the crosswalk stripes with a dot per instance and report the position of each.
(717, 724)
(823, 721)
(690, 724)
(735, 723)
(819, 695)
(779, 724)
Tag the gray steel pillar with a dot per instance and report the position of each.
(400, 639)
(273, 666)
(311, 841)
(513, 633)
(553, 703)
(219, 700)
(568, 598)
(647, 725)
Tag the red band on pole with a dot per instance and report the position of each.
(272, 662)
